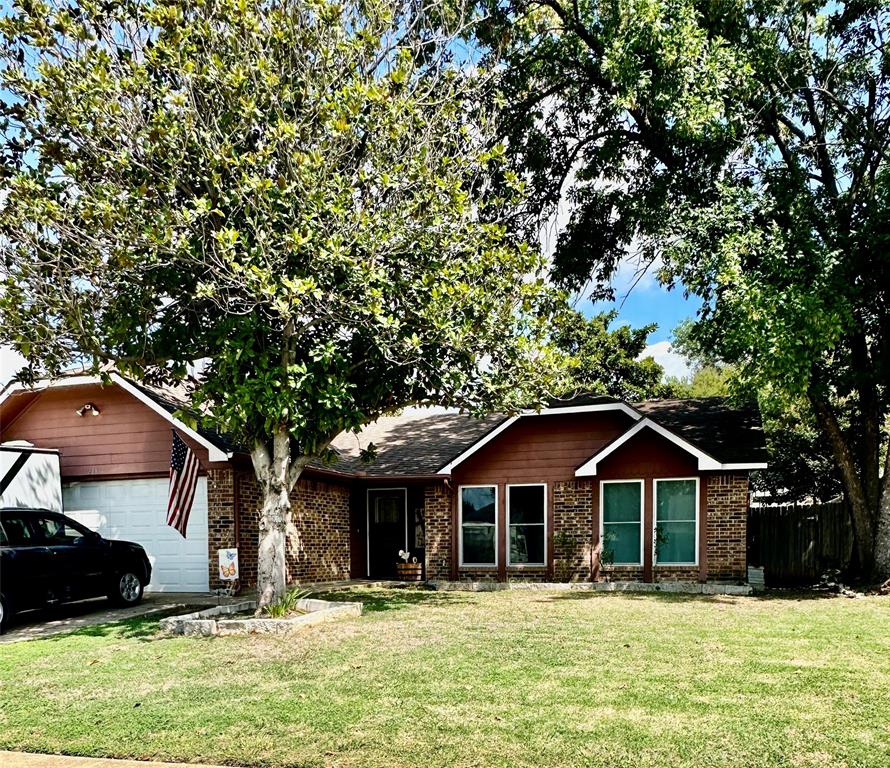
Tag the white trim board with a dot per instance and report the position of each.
(487, 438)
(213, 453)
(705, 461)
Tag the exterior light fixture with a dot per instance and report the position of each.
(88, 408)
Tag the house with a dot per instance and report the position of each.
(589, 486)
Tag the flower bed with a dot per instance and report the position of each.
(212, 621)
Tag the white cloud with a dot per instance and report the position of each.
(10, 362)
(674, 363)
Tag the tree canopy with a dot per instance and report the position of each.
(740, 147)
(301, 194)
(606, 360)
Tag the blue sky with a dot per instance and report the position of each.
(644, 301)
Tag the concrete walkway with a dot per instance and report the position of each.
(27, 760)
(86, 613)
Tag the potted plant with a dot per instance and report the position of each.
(408, 569)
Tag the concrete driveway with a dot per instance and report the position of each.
(65, 618)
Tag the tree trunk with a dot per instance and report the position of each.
(863, 516)
(272, 473)
(882, 539)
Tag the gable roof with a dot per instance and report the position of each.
(425, 443)
(164, 404)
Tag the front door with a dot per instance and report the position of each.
(387, 530)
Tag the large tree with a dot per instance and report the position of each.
(299, 193)
(608, 360)
(741, 148)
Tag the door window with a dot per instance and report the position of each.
(60, 531)
(18, 532)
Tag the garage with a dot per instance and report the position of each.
(135, 510)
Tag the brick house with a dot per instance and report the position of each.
(587, 488)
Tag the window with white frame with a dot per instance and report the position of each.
(676, 521)
(622, 521)
(478, 524)
(526, 520)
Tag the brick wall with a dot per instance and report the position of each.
(572, 530)
(220, 517)
(727, 502)
(438, 530)
(317, 535)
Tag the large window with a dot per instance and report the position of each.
(478, 524)
(622, 521)
(526, 518)
(676, 521)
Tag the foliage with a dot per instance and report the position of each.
(287, 604)
(299, 194)
(741, 148)
(607, 361)
(704, 381)
(566, 549)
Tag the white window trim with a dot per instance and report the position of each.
(655, 483)
(368, 493)
(509, 524)
(460, 525)
(642, 516)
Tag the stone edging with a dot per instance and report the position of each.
(673, 587)
(205, 623)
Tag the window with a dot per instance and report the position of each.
(526, 517)
(60, 531)
(622, 521)
(478, 524)
(18, 532)
(676, 521)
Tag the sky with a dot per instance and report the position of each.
(647, 301)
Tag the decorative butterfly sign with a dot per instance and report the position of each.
(228, 564)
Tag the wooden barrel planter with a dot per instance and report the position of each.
(409, 571)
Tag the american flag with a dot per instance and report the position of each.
(183, 480)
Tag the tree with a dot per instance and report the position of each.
(299, 193)
(704, 381)
(608, 361)
(741, 147)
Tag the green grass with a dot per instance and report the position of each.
(461, 679)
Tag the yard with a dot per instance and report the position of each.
(473, 679)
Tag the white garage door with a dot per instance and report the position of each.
(136, 510)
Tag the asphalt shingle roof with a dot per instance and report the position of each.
(416, 442)
(419, 442)
(729, 434)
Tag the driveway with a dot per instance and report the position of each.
(65, 618)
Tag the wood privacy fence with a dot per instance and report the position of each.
(796, 544)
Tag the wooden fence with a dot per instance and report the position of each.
(796, 544)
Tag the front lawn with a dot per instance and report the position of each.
(477, 679)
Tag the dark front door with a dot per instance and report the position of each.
(387, 530)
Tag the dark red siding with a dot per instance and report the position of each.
(127, 438)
